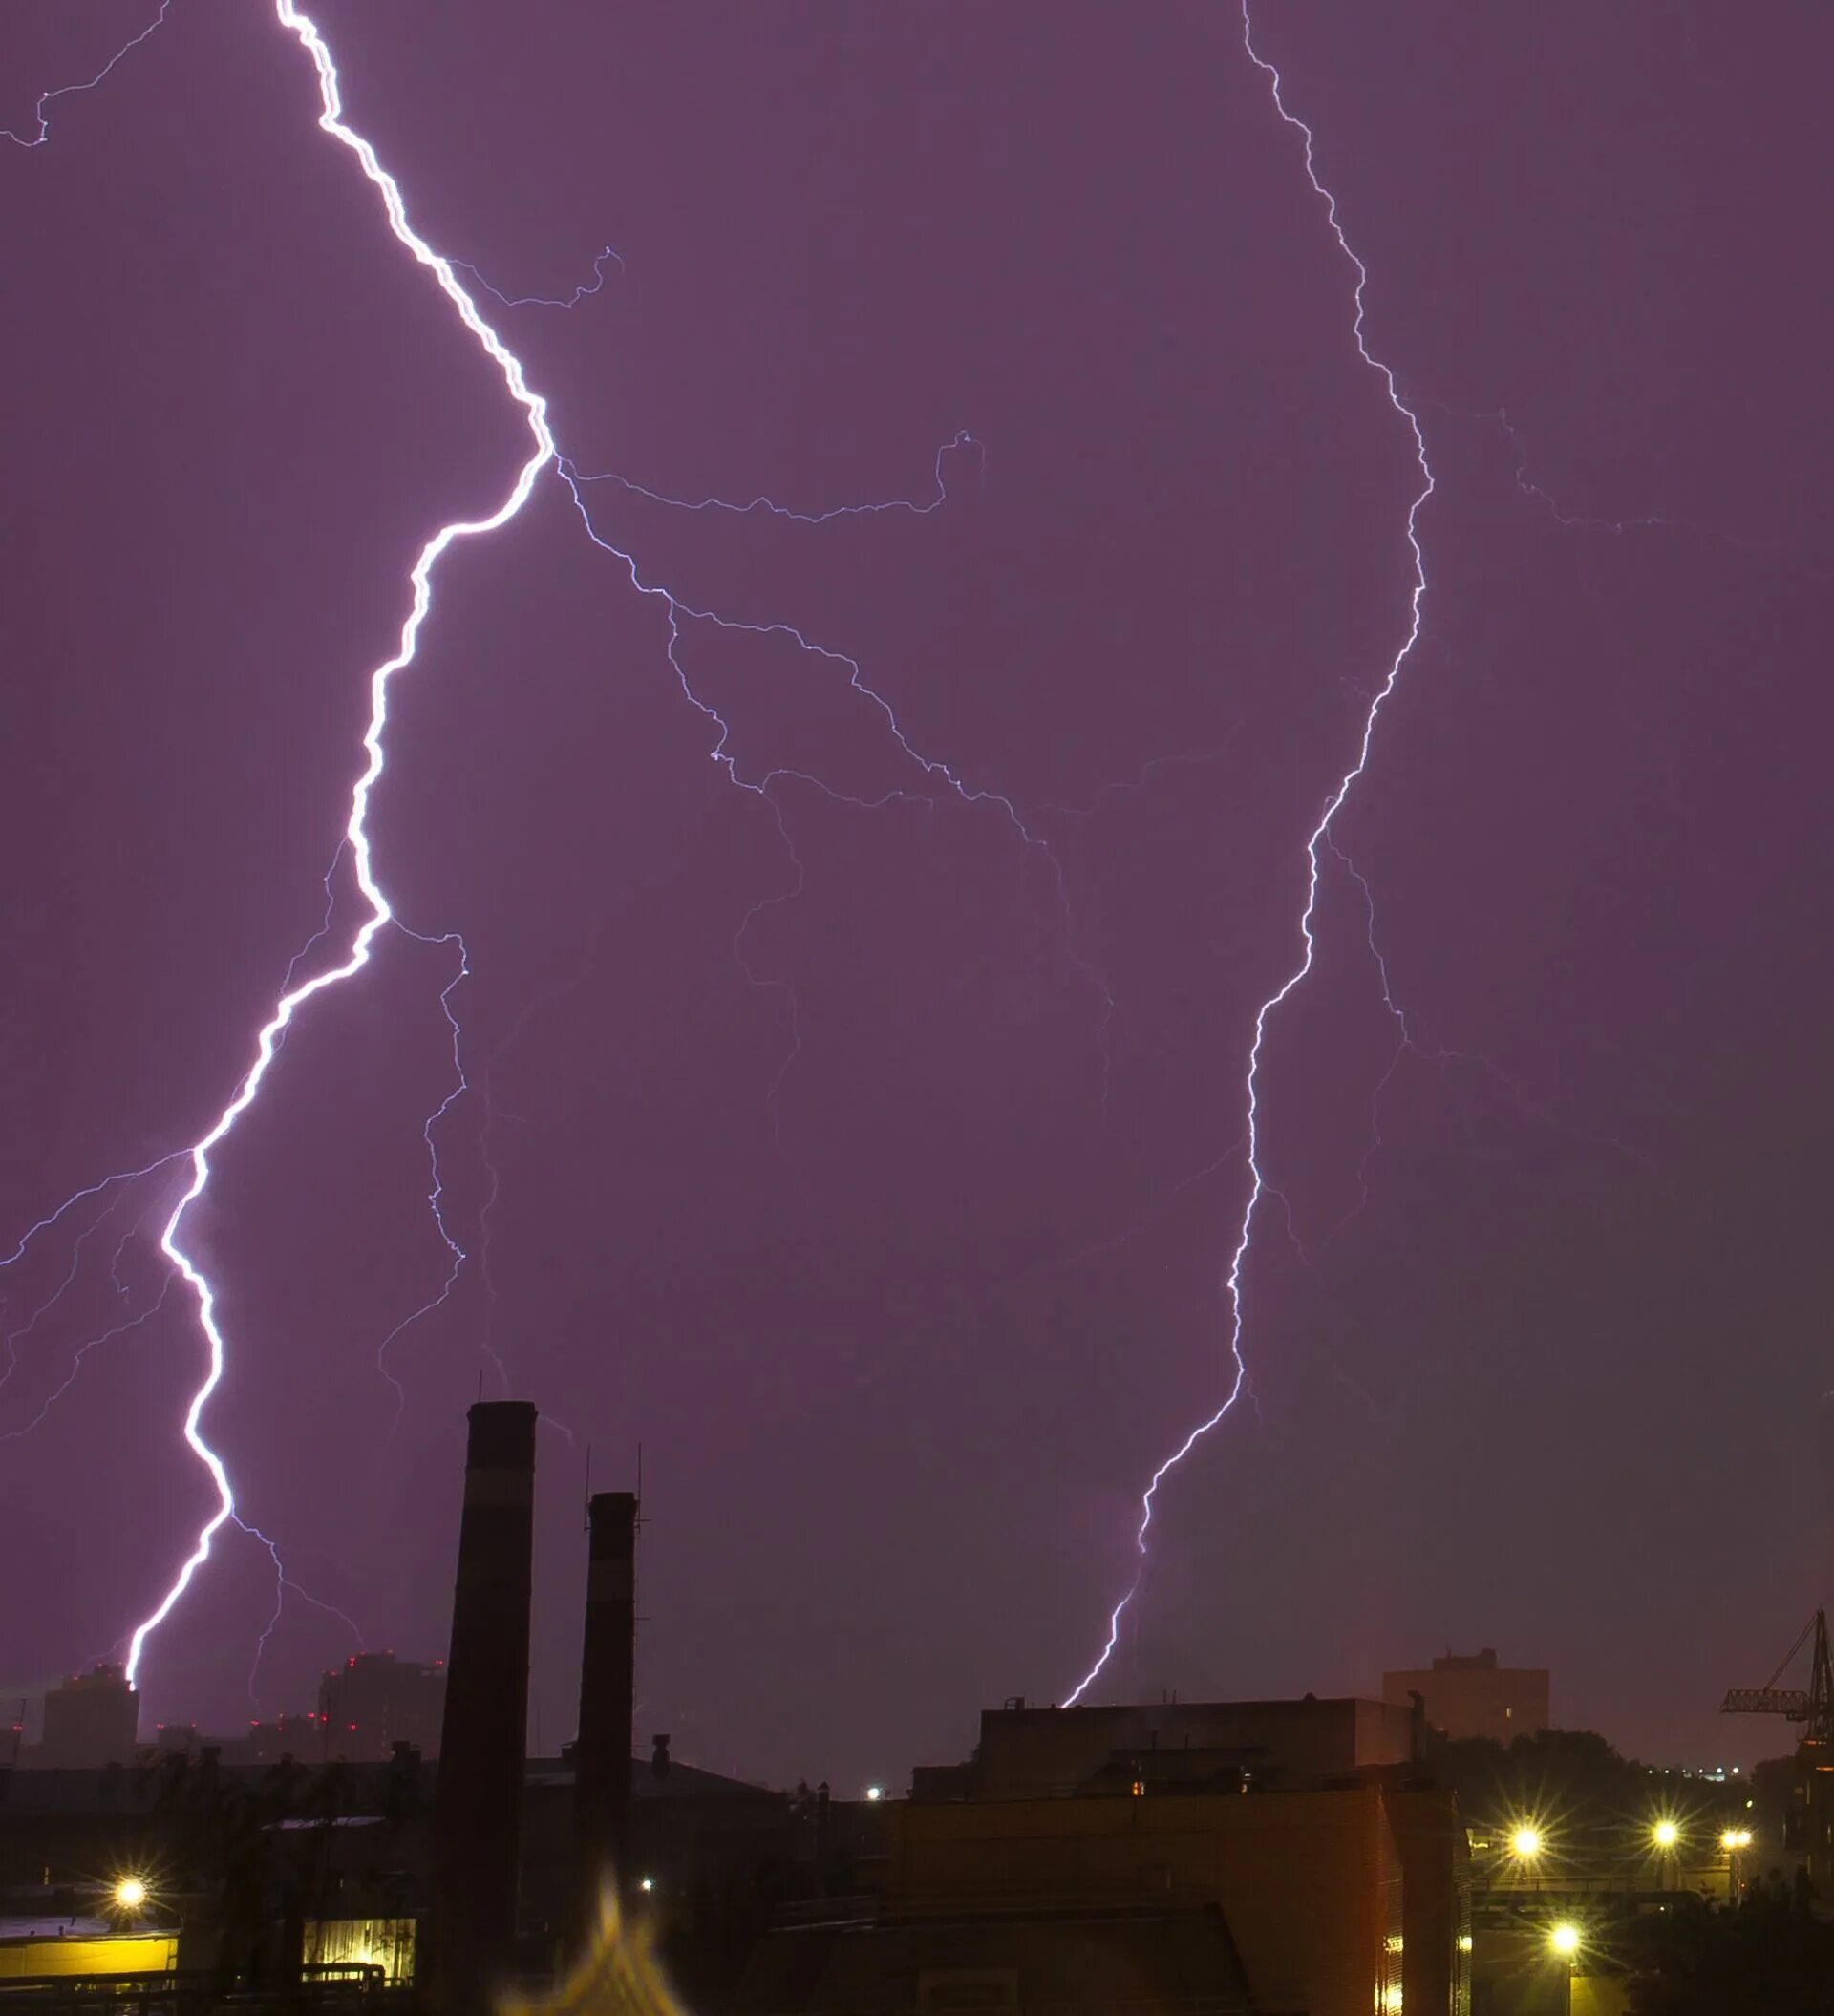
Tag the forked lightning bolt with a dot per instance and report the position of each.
(934, 772)
(1319, 837)
(296, 992)
(356, 830)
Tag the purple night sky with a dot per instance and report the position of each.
(845, 1194)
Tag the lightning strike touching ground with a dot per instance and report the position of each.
(1318, 838)
(296, 992)
(356, 830)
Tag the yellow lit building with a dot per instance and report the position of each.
(385, 1942)
(33, 1949)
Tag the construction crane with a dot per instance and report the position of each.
(1810, 1824)
(1813, 1705)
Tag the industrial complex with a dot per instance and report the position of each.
(1287, 1857)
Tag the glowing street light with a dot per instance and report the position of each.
(1733, 1838)
(1564, 1938)
(875, 1793)
(1665, 1834)
(1525, 1843)
(130, 1894)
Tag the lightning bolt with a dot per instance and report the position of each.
(1318, 838)
(356, 833)
(935, 777)
(297, 992)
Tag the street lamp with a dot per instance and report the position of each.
(1665, 1834)
(1525, 1843)
(1731, 1841)
(130, 1894)
(1564, 1938)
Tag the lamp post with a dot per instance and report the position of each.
(1734, 1841)
(1666, 1836)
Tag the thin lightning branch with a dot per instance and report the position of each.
(126, 1239)
(1578, 523)
(1529, 1108)
(356, 830)
(1147, 1222)
(121, 1329)
(963, 441)
(304, 952)
(65, 90)
(1499, 417)
(70, 1203)
(584, 291)
(14, 1338)
(283, 1582)
(455, 1254)
(1319, 835)
(936, 771)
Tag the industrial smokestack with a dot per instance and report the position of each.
(478, 1806)
(608, 1684)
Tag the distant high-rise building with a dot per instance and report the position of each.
(91, 1719)
(374, 1701)
(1469, 1694)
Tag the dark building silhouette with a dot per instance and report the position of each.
(374, 1701)
(1223, 1856)
(300, 1738)
(478, 1810)
(91, 1719)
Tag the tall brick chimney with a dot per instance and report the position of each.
(478, 1806)
(608, 1685)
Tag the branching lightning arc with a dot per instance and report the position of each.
(356, 830)
(357, 840)
(932, 775)
(1320, 837)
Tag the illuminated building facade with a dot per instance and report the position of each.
(1469, 1694)
(387, 1943)
(1221, 1856)
(42, 1949)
